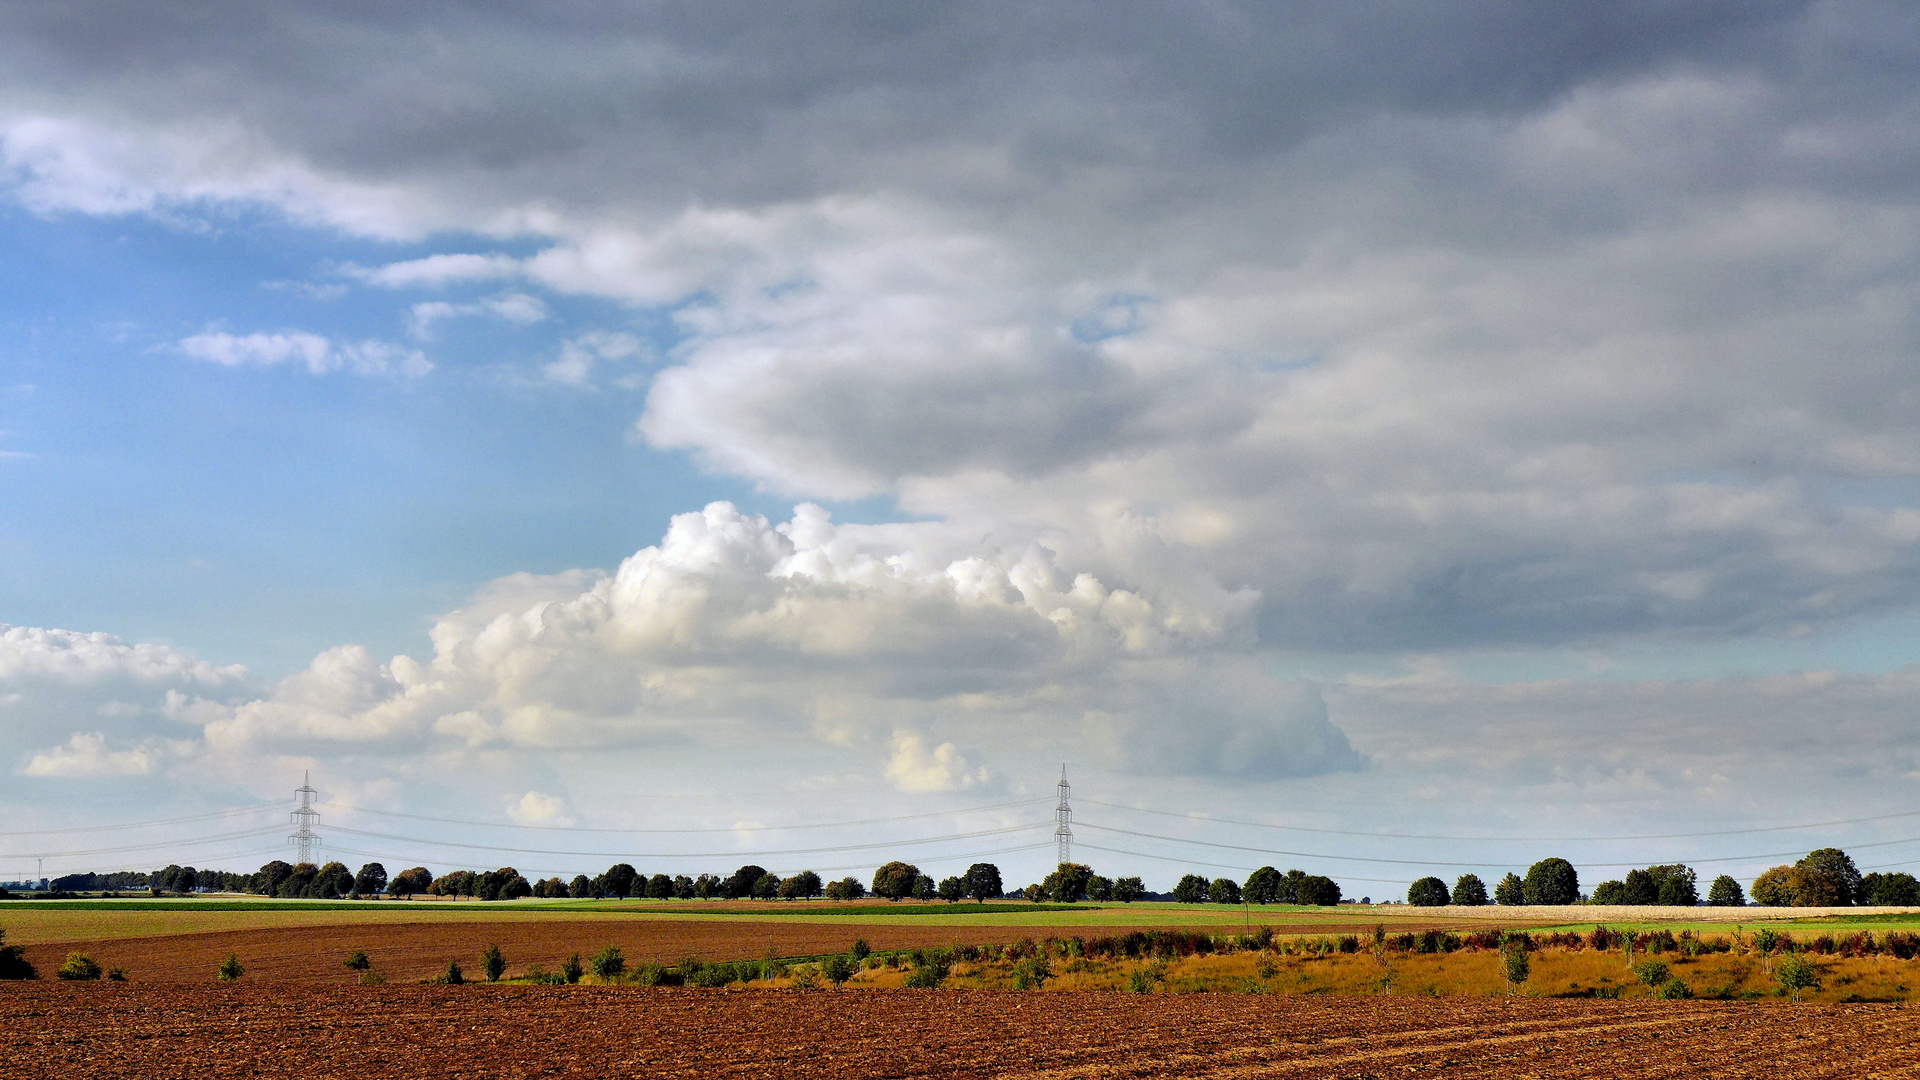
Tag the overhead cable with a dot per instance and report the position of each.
(1478, 839)
(755, 828)
(696, 854)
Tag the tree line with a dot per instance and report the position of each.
(1824, 878)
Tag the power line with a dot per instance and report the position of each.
(1433, 862)
(695, 854)
(756, 828)
(145, 824)
(1501, 839)
(152, 846)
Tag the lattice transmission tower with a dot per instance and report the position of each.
(1063, 819)
(305, 818)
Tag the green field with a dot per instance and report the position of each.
(34, 921)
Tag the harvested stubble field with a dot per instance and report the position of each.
(158, 1032)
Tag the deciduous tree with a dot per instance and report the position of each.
(895, 880)
(1428, 892)
(1223, 890)
(1826, 878)
(371, 880)
(1551, 882)
(1469, 891)
(1190, 889)
(1262, 887)
(1774, 888)
(1510, 892)
(983, 881)
(1128, 889)
(1725, 892)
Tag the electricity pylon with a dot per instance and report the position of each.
(304, 838)
(1063, 819)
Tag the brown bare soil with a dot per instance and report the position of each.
(197, 1032)
(408, 952)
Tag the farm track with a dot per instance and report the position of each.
(161, 1031)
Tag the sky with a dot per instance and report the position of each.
(1475, 431)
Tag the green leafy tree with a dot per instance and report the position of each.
(805, 883)
(618, 880)
(1068, 883)
(516, 888)
(983, 881)
(683, 888)
(742, 882)
(1511, 892)
(453, 976)
(707, 886)
(1223, 890)
(1774, 888)
(953, 889)
(571, 969)
(766, 887)
(1428, 892)
(1469, 891)
(1191, 889)
(371, 880)
(1890, 890)
(357, 961)
(1610, 892)
(845, 889)
(580, 887)
(1551, 882)
(1317, 891)
(493, 962)
(1651, 973)
(1128, 889)
(660, 887)
(1826, 878)
(924, 887)
(895, 880)
(1262, 887)
(265, 883)
(1726, 892)
(1099, 888)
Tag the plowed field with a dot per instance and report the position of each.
(156, 1032)
(411, 951)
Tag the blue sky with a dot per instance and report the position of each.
(786, 414)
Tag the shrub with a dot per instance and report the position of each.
(116, 974)
(1428, 892)
(806, 978)
(1515, 964)
(79, 967)
(1651, 972)
(930, 970)
(453, 976)
(837, 969)
(571, 969)
(230, 969)
(371, 977)
(608, 963)
(13, 961)
(493, 963)
(1674, 990)
(1032, 973)
(1140, 981)
(357, 961)
(1796, 973)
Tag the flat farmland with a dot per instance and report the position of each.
(102, 1030)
